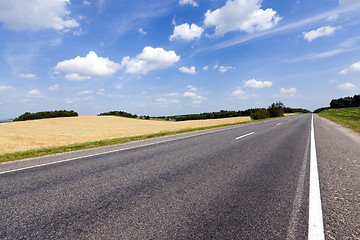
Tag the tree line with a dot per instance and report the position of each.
(46, 114)
(275, 110)
(345, 102)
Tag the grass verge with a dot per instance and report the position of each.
(347, 117)
(87, 145)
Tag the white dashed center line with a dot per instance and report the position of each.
(245, 135)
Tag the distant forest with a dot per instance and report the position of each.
(47, 114)
(345, 102)
(274, 110)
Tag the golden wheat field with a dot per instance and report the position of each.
(35, 134)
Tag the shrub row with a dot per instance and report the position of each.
(46, 114)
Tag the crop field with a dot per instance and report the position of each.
(348, 117)
(45, 133)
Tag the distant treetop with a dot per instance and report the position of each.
(47, 114)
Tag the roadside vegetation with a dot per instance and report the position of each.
(344, 111)
(348, 117)
(47, 114)
(346, 102)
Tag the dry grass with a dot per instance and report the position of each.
(35, 134)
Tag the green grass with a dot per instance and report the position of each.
(348, 117)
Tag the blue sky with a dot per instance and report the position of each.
(167, 57)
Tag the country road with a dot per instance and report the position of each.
(249, 181)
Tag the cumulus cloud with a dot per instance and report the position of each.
(252, 83)
(224, 68)
(35, 93)
(288, 92)
(84, 68)
(240, 93)
(55, 87)
(320, 32)
(186, 32)
(76, 77)
(150, 59)
(188, 2)
(3, 88)
(36, 15)
(187, 70)
(347, 86)
(241, 15)
(206, 68)
(85, 92)
(27, 75)
(355, 67)
(191, 94)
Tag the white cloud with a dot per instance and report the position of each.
(252, 83)
(165, 101)
(3, 88)
(55, 87)
(355, 67)
(241, 93)
(224, 68)
(187, 70)
(191, 94)
(189, 2)
(27, 75)
(83, 68)
(192, 88)
(119, 86)
(150, 59)
(76, 77)
(241, 15)
(141, 30)
(347, 86)
(206, 68)
(348, 2)
(86, 3)
(288, 92)
(320, 32)
(332, 18)
(186, 32)
(85, 92)
(34, 93)
(36, 15)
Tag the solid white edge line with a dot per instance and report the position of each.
(316, 226)
(113, 151)
(245, 135)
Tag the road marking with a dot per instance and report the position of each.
(245, 135)
(278, 124)
(294, 219)
(316, 226)
(119, 150)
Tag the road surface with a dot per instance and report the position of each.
(249, 181)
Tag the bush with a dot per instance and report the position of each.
(276, 109)
(119, 114)
(260, 114)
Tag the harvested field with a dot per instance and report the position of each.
(35, 134)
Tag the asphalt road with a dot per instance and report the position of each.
(243, 182)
